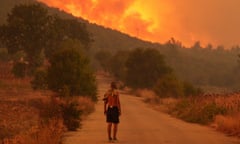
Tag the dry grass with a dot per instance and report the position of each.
(148, 96)
(162, 104)
(16, 116)
(228, 124)
(229, 101)
(49, 133)
(21, 121)
(219, 110)
(224, 110)
(31, 117)
(23, 114)
(86, 105)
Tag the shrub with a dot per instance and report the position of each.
(19, 69)
(168, 86)
(71, 115)
(181, 107)
(40, 80)
(209, 112)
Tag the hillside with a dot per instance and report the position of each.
(202, 66)
(104, 38)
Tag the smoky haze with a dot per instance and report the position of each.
(208, 21)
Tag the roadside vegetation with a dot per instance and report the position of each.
(220, 111)
(32, 117)
(47, 85)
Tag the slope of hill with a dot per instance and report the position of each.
(104, 38)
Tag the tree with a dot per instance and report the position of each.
(69, 73)
(145, 67)
(40, 80)
(117, 64)
(62, 29)
(30, 29)
(26, 30)
(197, 45)
(169, 86)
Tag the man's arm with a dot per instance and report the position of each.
(119, 105)
(105, 104)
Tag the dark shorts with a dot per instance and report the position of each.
(112, 115)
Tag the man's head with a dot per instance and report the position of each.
(113, 85)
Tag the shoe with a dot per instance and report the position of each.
(115, 140)
(110, 139)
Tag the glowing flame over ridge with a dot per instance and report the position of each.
(159, 20)
(134, 17)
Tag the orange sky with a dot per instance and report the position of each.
(208, 21)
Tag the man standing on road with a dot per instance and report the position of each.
(112, 110)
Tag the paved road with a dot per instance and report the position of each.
(140, 124)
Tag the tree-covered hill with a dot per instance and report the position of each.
(211, 66)
(104, 38)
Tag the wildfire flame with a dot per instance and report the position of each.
(134, 17)
(156, 20)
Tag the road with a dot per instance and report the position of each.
(140, 124)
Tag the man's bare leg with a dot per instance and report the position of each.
(115, 128)
(109, 131)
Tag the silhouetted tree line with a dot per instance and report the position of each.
(199, 66)
(146, 68)
(204, 66)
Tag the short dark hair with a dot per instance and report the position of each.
(113, 85)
